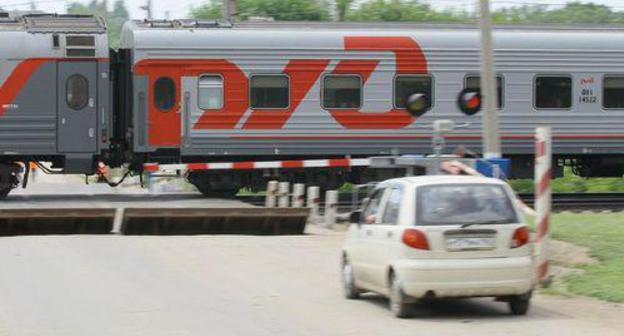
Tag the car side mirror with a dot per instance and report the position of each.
(355, 217)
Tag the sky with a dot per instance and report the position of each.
(180, 8)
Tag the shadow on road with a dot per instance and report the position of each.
(463, 309)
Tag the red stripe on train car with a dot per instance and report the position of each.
(17, 79)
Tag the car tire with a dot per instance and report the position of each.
(397, 299)
(519, 304)
(351, 292)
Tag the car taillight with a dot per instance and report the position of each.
(416, 239)
(520, 237)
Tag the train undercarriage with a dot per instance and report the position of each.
(228, 182)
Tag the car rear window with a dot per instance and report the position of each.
(463, 204)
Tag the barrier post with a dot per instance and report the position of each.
(543, 164)
(298, 197)
(331, 207)
(313, 203)
(271, 192)
(283, 199)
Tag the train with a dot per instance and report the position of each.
(201, 91)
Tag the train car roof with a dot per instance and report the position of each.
(53, 23)
(192, 34)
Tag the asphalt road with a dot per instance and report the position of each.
(236, 285)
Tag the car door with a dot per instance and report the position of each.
(385, 235)
(362, 260)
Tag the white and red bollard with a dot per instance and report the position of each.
(271, 194)
(543, 172)
(298, 195)
(331, 208)
(283, 191)
(313, 203)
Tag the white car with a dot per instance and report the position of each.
(427, 237)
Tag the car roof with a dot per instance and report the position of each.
(441, 179)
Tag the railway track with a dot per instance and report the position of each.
(560, 201)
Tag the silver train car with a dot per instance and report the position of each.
(206, 91)
(54, 93)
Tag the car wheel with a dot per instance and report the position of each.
(519, 305)
(398, 304)
(348, 281)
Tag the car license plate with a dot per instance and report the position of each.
(470, 243)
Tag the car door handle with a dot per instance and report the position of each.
(389, 234)
(369, 232)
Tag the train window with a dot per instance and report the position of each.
(613, 92)
(553, 92)
(342, 91)
(406, 85)
(164, 93)
(77, 91)
(210, 93)
(269, 91)
(474, 82)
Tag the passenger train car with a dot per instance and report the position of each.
(207, 91)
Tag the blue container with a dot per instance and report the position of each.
(487, 167)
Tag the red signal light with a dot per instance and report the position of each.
(416, 239)
(469, 101)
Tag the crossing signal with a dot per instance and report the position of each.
(417, 104)
(469, 101)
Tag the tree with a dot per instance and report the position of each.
(115, 19)
(342, 6)
(402, 10)
(280, 10)
(571, 13)
(209, 10)
(412, 11)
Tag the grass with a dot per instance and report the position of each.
(571, 183)
(603, 234)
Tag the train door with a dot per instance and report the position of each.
(77, 107)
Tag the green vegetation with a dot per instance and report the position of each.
(279, 10)
(410, 11)
(407, 11)
(571, 183)
(114, 18)
(603, 234)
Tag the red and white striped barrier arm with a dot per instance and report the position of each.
(543, 164)
(154, 167)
